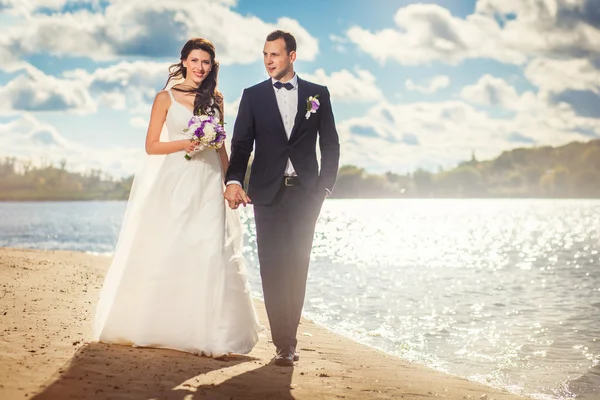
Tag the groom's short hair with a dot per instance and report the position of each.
(288, 38)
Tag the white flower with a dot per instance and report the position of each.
(209, 131)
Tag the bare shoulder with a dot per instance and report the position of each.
(163, 97)
(162, 100)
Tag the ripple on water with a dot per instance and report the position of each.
(506, 292)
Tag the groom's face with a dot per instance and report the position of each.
(277, 60)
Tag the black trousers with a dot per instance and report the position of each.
(284, 234)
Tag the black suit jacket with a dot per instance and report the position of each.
(259, 124)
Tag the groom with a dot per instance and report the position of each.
(286, 186)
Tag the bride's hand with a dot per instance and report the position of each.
(189, 146)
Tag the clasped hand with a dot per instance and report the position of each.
(235, 195)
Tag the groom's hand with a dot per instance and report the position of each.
(235, 195)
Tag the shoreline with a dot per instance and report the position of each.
(511, 197)
(46, 302)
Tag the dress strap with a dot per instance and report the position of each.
(171, 94)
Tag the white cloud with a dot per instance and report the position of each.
(557, 41)
(9, 61)
(575, 82)
(26, 7)
(426, 32)
(345, 86)
(29, 139)
(339, 43)
(139, 122)
(124, 75)
(397, 137)
(124, 85)
(231, 108)
(150, 29)
(561, 75)
(491, 91)
(32, 90)
(436, 83)
(129, 86)
(404, 137)
(114, 100)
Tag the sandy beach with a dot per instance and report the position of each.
(46, 303)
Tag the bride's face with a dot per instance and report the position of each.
(198, 65)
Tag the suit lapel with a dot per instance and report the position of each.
(302, 96)
(272, 105)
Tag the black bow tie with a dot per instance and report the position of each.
(287, 85)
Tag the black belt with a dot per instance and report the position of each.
(291, 181)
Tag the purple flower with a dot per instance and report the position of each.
(312, 105)
(195, 119)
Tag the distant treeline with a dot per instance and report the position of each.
(23, 181)
(569, 171)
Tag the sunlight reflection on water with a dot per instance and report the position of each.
(506, 292)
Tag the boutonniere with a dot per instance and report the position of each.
(312, 105)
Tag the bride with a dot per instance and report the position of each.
(177, 279)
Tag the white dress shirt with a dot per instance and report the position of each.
(287, 102)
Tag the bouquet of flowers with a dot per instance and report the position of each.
(207, 131)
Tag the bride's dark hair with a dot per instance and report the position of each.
(208, 98)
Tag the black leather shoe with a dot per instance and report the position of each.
(285, 357)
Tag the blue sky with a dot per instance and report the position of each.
(414, 85)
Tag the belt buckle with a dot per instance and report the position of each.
(287, 180)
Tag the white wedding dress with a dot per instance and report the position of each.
(178, 279)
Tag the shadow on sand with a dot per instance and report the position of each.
(100, 371)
